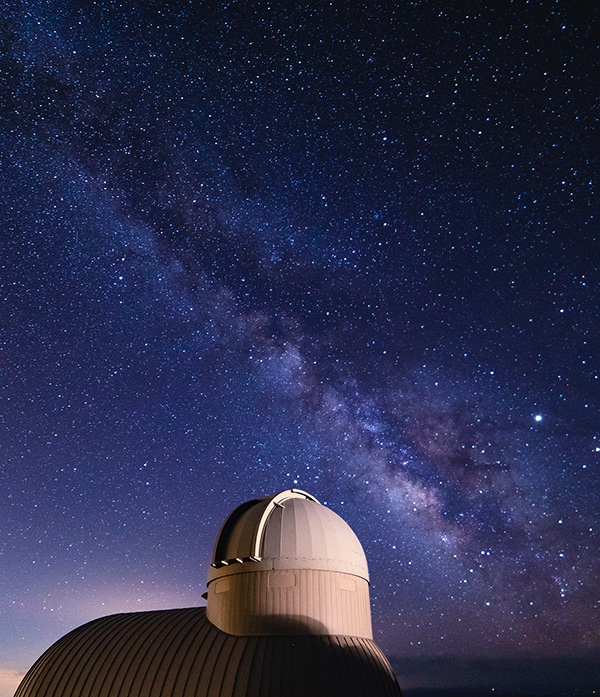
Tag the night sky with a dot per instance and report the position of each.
(344, 247)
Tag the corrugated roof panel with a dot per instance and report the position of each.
(227, 676)
(192, 667)
(259, 666)
(103, 668)
(179, 653)
(168, 657)
(358, 656)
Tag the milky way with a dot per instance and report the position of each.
(248, 248)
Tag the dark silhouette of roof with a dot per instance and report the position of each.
(179, 653)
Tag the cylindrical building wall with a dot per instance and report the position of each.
(294, 601)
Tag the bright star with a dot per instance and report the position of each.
(538, 417)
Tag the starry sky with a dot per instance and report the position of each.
(348, 247)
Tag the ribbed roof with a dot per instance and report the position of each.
(179, 653)
(289, 530)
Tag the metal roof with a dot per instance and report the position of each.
(179, 653)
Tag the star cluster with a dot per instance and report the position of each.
(349, 248)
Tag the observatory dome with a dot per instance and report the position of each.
(287, 615)
(285, 565)
(289, 530)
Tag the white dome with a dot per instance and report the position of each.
(289, 530)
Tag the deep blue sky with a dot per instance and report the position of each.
(345, 247)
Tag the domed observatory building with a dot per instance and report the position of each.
(287, 615)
